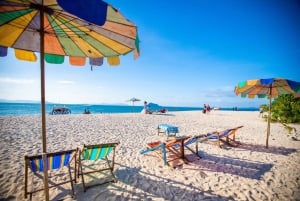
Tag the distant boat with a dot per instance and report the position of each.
(60, 110)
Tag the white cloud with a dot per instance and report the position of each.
(16, 81)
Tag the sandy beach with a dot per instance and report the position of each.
(247, 172)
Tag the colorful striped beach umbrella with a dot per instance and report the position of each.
(269, 88)
(80, 30)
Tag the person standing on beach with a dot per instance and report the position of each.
(146, 108)
(207, 109)
(261, 112)
(204, 109)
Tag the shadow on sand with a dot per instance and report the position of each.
(230, 165)
(150, 186)
(272, 149)
(135, 184)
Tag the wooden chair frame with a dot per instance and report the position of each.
(163, 148)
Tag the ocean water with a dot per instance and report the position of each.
(13, 109)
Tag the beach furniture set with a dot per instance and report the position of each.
(75, 163)
(91, 159)
(173, 149)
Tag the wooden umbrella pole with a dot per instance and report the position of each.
(42, 62)
(269, 118)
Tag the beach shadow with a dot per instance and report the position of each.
(9, 198)
(271, 149)
(61, 192)
(230, 165)
(147, 188)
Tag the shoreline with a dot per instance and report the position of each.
(120, 113)
(246, 172)
(7, 109)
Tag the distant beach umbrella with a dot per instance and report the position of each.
(269, 88)
(133, 100)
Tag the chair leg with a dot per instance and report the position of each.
(75, 171)
(26, 178)
(71, 180)
(82, 176)
(111, 169)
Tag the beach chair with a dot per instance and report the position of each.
(56, 164)
(167, 152)
(227, 136)
(190, 141)
(94, 159)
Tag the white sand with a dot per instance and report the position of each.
(248, 172)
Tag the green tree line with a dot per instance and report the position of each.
(285, 109)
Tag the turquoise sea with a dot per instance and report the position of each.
(14, 109)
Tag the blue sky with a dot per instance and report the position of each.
(192, 52)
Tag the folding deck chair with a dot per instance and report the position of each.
(53, 162)
(190, 141)
(166, 151)
(227, 136)
(97, 158)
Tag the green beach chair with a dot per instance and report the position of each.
(97, 159)
(53, 162)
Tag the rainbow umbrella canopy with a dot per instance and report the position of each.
(80, 30)
(269, 88)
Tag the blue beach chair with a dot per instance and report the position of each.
(190, 141)
(227, 136)
(53, 162)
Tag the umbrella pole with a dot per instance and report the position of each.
(269, 120)
(43, 104)
(42, 62)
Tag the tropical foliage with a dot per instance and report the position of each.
(285, 109)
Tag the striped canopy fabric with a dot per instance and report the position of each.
(53, 161)
(270, 88)
(95, 153)
(105, 33)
